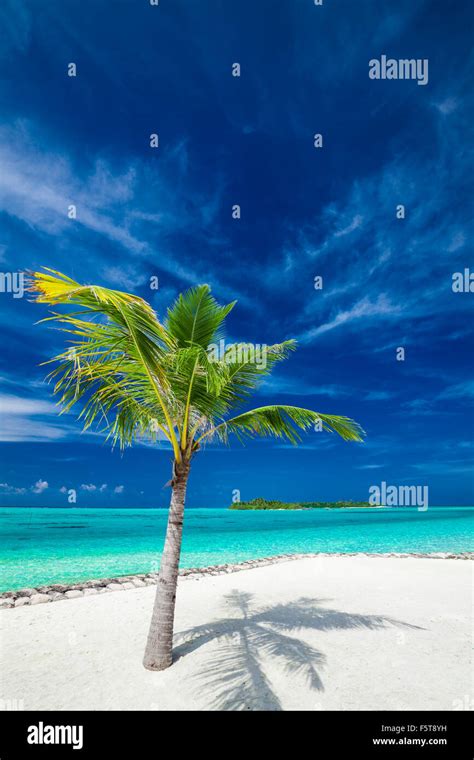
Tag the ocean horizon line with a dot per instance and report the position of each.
(188, 507)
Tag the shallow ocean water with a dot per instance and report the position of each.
(39, 546)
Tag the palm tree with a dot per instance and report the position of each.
(140, 377)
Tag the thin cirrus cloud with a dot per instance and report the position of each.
(458, 391)
(39, 421)
(129, 207)
(374, 265)
(363, 309)
(108, 206)
(27, 419)
(37, 186)
(435, 403)
(287, 386)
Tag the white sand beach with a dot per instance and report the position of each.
(325, 633)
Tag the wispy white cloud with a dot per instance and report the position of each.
(363, 309)
(458, 241)
(297, 387)
(379, 395)
(37, 187)
(15, 405)
(124, 277)
(447, 106)
(444, 467)
(458, 391)
(366, 255)
(353, 225)
(130, 206)
(27, 419)
(434, 403)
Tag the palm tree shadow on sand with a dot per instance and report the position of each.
(233, 675)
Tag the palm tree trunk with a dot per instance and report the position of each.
(158, 651)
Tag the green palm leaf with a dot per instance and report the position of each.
(131, 345)
(196, 318)
(136, 376)
(282, 421)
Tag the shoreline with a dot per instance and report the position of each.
(53, 592)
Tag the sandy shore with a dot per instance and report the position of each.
(324, 633)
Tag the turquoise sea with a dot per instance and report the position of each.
(39, 546)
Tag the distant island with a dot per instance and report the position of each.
(260, 503)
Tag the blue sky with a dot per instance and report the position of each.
(305, 212)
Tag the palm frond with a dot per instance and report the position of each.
(136, 376)
(246, 374)
(282, 421)
(196, 318)
(132, 334)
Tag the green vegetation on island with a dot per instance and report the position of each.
(260, 503)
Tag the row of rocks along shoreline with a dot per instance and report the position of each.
(56, 592)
